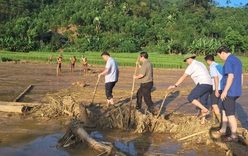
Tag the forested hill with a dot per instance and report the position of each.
(164, 26)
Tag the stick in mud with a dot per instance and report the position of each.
(95, 90)
(166, 94)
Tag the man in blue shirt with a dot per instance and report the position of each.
(232, 90)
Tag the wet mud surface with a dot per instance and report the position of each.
(20, 135)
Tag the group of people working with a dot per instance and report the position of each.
(221, 83)
(72, 65)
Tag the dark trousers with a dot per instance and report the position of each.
(145, 91)
(201, 91)
(109, 89)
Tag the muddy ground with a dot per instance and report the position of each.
(16, 77)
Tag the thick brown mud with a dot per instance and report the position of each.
(24, 135)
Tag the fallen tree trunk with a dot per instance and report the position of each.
(11, 109)
(19, 104)
(103, 149)
(76, 133)
(16, 107)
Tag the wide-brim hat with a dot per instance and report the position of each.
(188, 55)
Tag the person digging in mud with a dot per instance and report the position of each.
(216, 77)
(59, 61)
(199, 73)
(111, 73)
(73, 61)
(146, 79)
(85, 63)
(232, 84)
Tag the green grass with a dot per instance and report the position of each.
(123, 59)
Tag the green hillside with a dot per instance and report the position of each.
(161, 26)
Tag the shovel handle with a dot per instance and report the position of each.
(166, 94)
(135, 71)
(131, 98)
(94, 93)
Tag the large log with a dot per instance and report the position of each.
(102, 148)
(11, 109)
(16, 107)
(19, 104)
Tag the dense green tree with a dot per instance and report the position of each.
(165, 26)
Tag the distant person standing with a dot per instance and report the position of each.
(199, 73)
(50, 59)
(232, 84)
(146, 78)
(85, 63)
(73, 61)
(111, 73)
(216, 77)
(59, 64)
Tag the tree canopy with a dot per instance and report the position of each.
(163, 26)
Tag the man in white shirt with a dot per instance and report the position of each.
(199, 73)
(111, 73)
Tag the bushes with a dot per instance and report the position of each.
(5, 59)
(20, 44)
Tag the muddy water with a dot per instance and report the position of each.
(145, 144)
(19, 136)
(29, 137)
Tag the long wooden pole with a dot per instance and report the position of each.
(166, 94)
(23, 93)
(131, 98)
(95, 90)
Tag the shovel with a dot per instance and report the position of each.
(166, 94)
(94, 93)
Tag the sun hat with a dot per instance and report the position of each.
(188, 55)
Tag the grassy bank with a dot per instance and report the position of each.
(123, 59)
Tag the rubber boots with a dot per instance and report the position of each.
(217, 125)
(107, 103)
(213, 117)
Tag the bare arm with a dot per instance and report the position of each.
(216, 84)
(229, 82)
(180, 80)
(106, 70)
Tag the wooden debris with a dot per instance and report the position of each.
(17, 107)
(23, 93)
